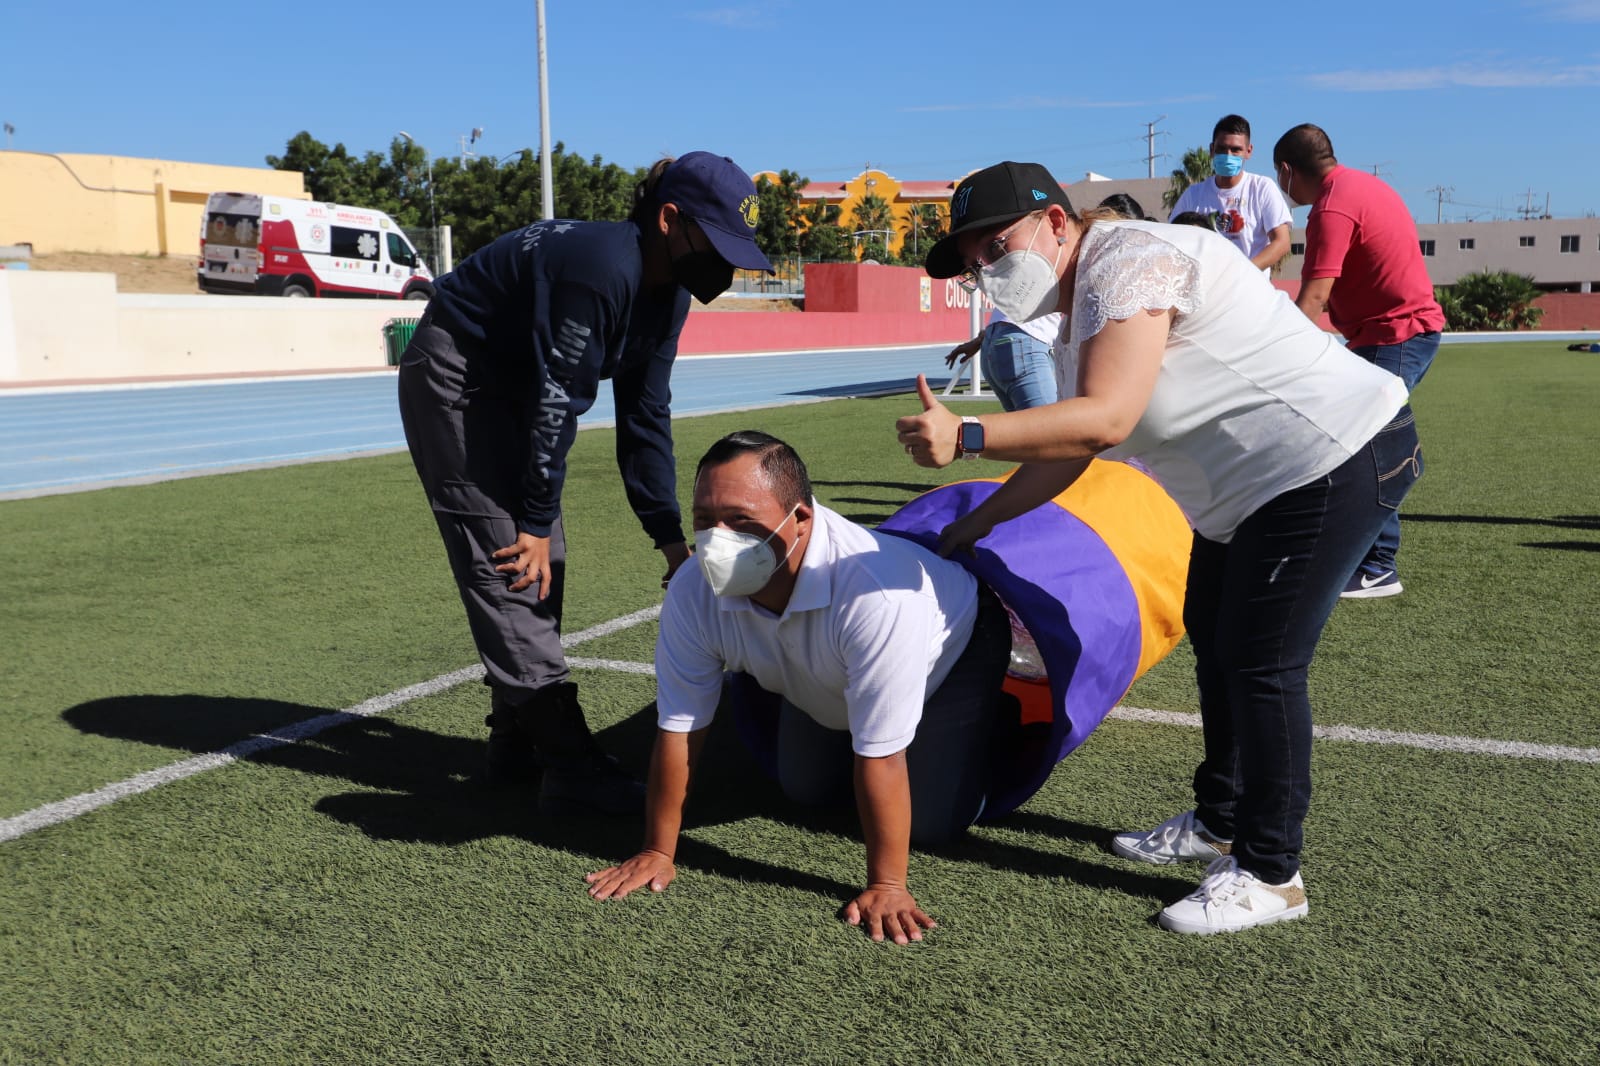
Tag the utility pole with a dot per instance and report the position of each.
(1443, 193)
(1150, 144)
(1526, 210)
(546, 190)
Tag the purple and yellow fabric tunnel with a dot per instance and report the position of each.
(1094, 581)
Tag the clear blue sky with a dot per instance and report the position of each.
(1492, 99)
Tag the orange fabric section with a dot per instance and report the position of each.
(1148, 534)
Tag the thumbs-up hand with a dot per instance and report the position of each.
(930, 437)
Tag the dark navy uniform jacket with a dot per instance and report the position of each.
(544, 313)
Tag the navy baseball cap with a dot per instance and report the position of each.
(719, 196)
(991, 197)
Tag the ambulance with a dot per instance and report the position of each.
(275, 246)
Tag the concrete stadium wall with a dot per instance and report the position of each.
(117, 204)
(77, 327)
(57, 326)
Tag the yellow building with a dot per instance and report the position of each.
(118, 204)
(903, 197)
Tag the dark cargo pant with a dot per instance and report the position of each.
(469, 443)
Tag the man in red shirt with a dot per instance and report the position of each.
(1363, 265)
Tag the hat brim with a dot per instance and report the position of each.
(944, 259)
(738, 249)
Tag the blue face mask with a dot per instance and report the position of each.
(1227, 166)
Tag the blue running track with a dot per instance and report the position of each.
(72, 439)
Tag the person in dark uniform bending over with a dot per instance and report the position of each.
(508, 355)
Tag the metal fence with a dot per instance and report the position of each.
(429, 244)
(790, 279)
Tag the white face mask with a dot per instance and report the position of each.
(738, 564)
(1283, 186)
(1023, 284)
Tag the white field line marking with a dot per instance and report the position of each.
(1513, 749)
(67, 809)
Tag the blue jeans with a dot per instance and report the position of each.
(1018, 367)
(1255, 609)
(1409, 361)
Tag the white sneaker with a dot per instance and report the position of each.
(1180, 839)
(1231, 899)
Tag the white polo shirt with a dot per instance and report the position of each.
(872, 628)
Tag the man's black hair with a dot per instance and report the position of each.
(1124, 205)
(1230, 124)
(1306, 149)
(780, 463)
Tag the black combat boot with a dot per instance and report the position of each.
(579, 777)
(512, 759)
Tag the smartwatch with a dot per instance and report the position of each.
(969, 441)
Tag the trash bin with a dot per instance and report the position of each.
(396, 335)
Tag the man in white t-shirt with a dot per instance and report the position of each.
(1253, 211)
(889, 660)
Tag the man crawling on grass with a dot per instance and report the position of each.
(888, 659)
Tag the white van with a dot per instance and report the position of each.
(275, 246)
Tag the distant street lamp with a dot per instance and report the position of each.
(433, 216)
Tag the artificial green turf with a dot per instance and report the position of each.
(360, 898)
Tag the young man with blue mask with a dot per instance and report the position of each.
(888, 659)
(1257, 219)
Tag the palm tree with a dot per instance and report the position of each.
(873, 218)
(1196, 168)
(924, 224)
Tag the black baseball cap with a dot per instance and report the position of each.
(990, 197)
(713, 191)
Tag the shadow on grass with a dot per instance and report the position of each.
(1564, 545)
(1564, 521)
(419, 786)
(899, 491)
(1019, 858)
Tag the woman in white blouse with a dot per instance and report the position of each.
(1285, 450)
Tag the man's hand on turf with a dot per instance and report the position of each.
(888, 912)
(651, 868)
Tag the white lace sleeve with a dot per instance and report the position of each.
(1129, 270)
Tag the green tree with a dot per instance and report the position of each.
(592, 190)
(1490, 300)
(778, 214)
(328, 172)
(924, 224)
(822, 240)
(872, 222)
(1195, 169)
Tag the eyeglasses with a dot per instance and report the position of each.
(994, 250)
